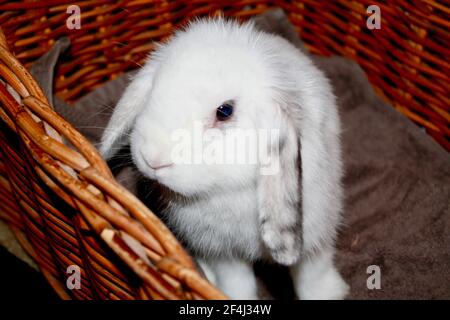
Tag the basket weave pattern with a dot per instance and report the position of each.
(64, 205)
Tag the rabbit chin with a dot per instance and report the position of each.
(183, 181)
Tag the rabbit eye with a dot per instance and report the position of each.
(224, 111)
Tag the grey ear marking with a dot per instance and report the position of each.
(279, 199)
(128, 108)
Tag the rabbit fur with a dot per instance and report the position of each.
(230, 215)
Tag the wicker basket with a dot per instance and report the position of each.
(64, 205)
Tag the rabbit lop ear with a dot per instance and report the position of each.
(279, 196)
(130, 105)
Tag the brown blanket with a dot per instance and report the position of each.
(397, 189)
(397, 182)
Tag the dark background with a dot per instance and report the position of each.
(21, 282)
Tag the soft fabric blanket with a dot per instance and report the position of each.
(397, 182)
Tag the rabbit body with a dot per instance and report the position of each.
(230, 215)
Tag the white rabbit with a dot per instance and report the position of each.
(227, 75)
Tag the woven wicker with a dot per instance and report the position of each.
(64, 205)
